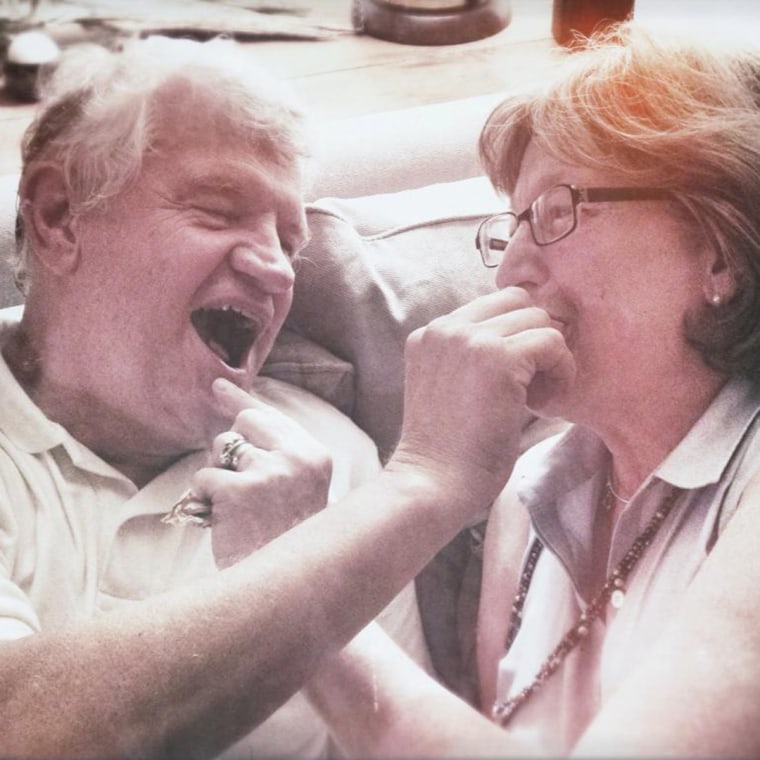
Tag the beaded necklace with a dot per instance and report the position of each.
(612, 591)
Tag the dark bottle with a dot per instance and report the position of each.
(584, 17)
(430, 22)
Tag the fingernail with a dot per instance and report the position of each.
(223, 385)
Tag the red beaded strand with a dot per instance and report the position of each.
(503, 711)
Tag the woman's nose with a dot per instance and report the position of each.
(521, 263)
(266, 263)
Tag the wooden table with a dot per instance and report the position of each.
(354, 75)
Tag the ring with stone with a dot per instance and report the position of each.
(229, 457)
(189, 510)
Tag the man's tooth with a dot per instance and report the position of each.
(228, 307)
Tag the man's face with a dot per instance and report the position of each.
(184, 277)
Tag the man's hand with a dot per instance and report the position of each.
(469, 375)
(281, 478)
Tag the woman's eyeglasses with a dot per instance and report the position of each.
(552, 216)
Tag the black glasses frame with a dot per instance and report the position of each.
(578, 195)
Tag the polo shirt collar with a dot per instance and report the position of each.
(20, 418)
(563, 489)
(561, 494)
(26, 426)
(696, 461)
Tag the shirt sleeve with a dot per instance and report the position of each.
(18, 617)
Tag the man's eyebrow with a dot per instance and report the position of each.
(219, 185)
(231, 187)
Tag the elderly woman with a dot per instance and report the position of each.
(620, 612)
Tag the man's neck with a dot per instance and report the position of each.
(75, 414)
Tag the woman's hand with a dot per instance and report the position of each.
(469, 376)
(281, 476)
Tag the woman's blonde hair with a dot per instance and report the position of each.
(665, 111)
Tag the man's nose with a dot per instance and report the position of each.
(266, 263)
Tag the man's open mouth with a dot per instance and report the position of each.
(229, 333)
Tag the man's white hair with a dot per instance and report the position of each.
(98, 109)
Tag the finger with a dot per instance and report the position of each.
(211, 484)
(233, 399)
(548, 355)
(271, 430)
(232, 451)
(517, 321)
(263, 425)
(442, 337)
(491, 305)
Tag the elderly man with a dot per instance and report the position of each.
(161, 208)
(160, 216)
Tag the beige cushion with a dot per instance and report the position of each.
(377, 268)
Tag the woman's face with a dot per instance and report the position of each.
(618, 288)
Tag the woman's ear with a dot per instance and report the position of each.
(719, 277)
(48, 220)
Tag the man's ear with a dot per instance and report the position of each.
(48, 219)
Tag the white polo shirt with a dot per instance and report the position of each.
(561, 482)
(78, 539)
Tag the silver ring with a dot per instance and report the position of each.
(229, 457)
(189, 510)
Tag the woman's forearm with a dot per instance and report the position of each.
(379, 704)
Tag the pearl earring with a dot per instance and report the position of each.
(715, 299)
